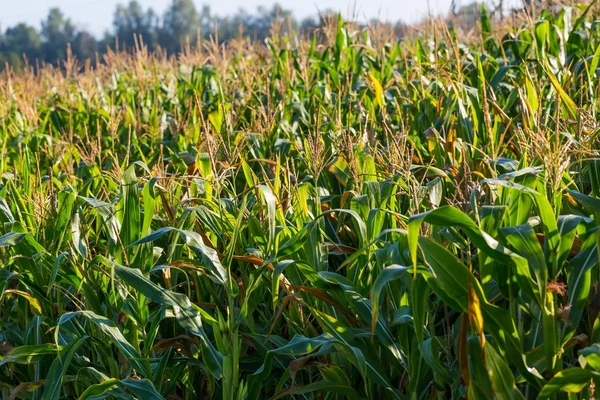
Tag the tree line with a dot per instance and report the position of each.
(181, 23)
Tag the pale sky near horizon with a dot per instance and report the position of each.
(96, 15)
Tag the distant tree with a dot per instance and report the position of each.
(261, 24)
(309, 24)
(256, 26)
(228, 27)
(180, 23)
(22, 39)
(207, 20)
(18, 42)
(57, 33)
(133, 20)
(84, 45)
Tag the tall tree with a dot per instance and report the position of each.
(256, 26)
(180, 23)
(18, 42)
(133, 20)
(84, 45)
(21, 39)
(57, 32)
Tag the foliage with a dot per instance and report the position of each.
(136, 28)
(346, 217)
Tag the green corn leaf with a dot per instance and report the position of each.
(567, 101)
(590, 203)
(142, 388)
(109, 328)
(389, 274)
(185, 314)
(572, 380)
(523, 240)
(592, 356)
(501, 377)
(429, 349)
(195, 242)
(579, 280)
(98, 389)
(28, 354)
(11, 238)
(58, 369)
(320, 387)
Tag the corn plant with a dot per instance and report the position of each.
(335, 216)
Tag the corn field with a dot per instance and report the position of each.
(346, 215)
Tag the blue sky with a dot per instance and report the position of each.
(96, 16)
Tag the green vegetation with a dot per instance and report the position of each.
(134, 26)
(342, 217)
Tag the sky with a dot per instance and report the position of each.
(96, 15)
